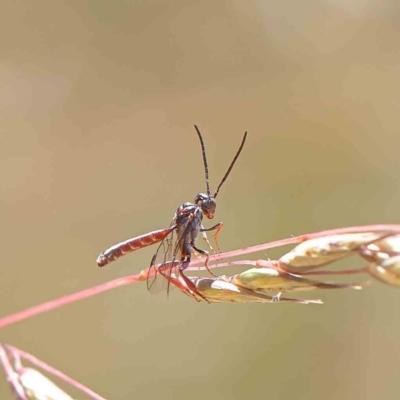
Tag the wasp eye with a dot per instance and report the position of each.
(200, 198)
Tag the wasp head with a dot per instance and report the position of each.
(207, 204)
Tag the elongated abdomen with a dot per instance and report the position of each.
(136, 243)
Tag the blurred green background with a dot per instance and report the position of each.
(97, 105)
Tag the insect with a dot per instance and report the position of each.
(187, 224)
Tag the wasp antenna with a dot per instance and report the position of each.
(203, 150)
(232, 164)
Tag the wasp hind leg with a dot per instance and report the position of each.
(192, 287)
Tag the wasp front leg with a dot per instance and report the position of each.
(204, 234)
(217, 228)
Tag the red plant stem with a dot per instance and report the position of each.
(388, 229)
(53, 304)
(339, 272)
(71, 298)
(259, 264)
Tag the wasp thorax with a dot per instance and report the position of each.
(207, 204)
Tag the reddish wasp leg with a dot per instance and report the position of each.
(206, 238)
(174, 279)
(204, 253)
(189, 283)
(216, 234)
(190, 287)
(217, 227)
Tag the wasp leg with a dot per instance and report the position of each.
(203, 233)
(184, 264)
(204, 253)
(217, 228)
